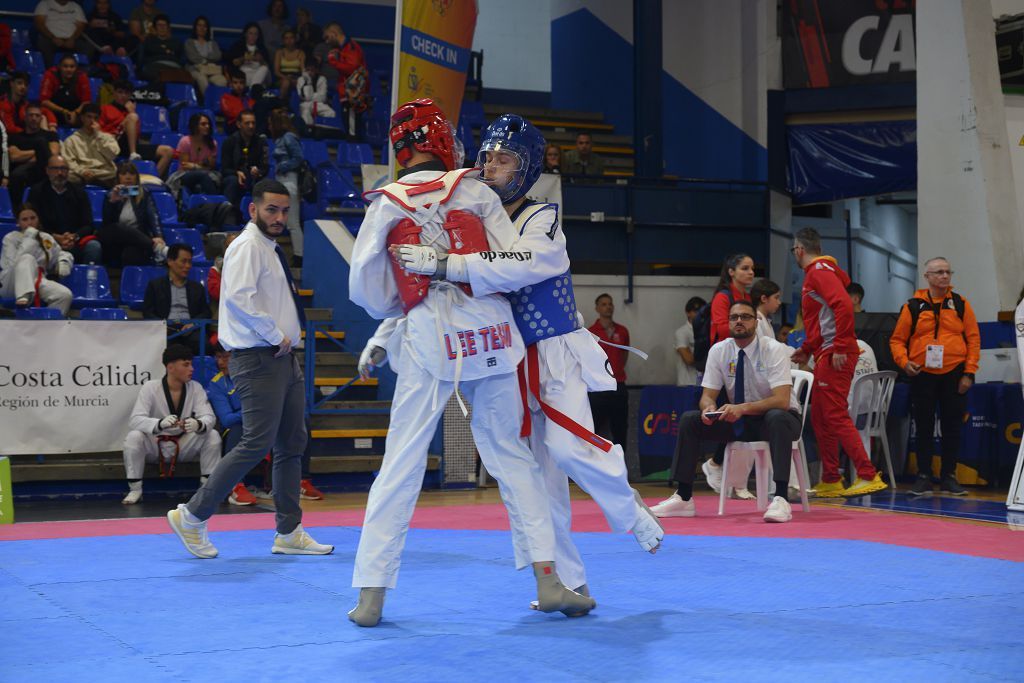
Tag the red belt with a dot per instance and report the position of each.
(37, 300)
(169, 473)
(561, 419)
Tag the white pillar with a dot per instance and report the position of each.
(967, 208)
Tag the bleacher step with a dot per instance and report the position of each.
(333, 334)
(349, 433)
(358, 463)
(342, 381)
(320, 314)
(320, 422)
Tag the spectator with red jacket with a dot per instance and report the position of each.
(346, 57)
(733, 282)
(828, 323)
(611, 407)
(120, 119)
(12, 106)
(65, 90)
(235, 101)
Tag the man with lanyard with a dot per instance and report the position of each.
(563, 361)
(761, 406)
(172, 422)
(259, 322)
(402, 254)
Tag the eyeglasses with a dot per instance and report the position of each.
(939, 272)
(745, 317)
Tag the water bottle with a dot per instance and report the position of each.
(92, 284)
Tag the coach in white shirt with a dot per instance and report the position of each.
(755, 374)
(259, 323)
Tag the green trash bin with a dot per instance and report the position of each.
(6, 494)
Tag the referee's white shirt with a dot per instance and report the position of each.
(766, 366)
(256, 304)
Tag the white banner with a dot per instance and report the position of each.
(548, 188)
(69, 386)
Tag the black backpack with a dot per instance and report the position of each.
(702, 331)
(916, 304)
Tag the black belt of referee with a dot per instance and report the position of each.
(274, 350)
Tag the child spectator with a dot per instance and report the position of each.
(312, 89)
(90, 152)
(120, 119)
(233, 102)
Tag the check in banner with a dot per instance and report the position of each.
(433, 48)
(68, 386)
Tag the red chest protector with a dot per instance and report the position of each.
(466, 233)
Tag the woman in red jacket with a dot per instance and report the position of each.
(733, 283)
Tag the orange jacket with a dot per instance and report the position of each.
(961, 339)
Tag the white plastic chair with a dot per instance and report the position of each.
(875, 391)
(802, 382)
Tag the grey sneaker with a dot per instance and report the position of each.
(552, 596)
(922, 487)
(369, 608)
(951, 486)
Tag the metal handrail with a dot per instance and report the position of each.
(313, 406)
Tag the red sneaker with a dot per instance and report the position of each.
(309, 492)
(241, 495)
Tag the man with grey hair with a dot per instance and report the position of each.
(937, 343)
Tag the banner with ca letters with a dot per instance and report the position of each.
(68, 386)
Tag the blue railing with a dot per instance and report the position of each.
(315, 406)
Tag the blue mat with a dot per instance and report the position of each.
(138, 608)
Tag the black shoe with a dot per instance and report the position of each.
(922, 487)
(952, 486)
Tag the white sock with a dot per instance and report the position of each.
(135, 486)
(188, 516)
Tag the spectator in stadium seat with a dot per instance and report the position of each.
(686, 364)
(346, 56)
(856, 292)
(171, 422)
(64, 209)
(611, 408)
(273, 27)
(120, 119)
(582, 160)
(202, 54)
(131, 231)
(243, 159)
(288, 162)
(27, 257)
(140, 21)
(14, 103)
(552, 159)
(29, 151)
(308, 33)
(312, 89)
(65, 90)
(90, 152)
(233, 102)
(175, 298)
(160, 51)
(107, 31)
(60, 25)
(289, 62)
(250, 56)
(197, 155)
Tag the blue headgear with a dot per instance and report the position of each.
(512, 133)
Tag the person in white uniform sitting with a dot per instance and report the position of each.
(172, 422)
(27, 257)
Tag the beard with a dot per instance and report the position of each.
(746, 334)
(265, 227)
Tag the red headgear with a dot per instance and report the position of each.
(421, 125)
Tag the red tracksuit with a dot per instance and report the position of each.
(828, 322)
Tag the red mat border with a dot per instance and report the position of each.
(741, 520)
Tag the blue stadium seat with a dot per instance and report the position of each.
(219, 139)
(334, 186)
(20, 39)
(198, 199)
(187, 112)
(200, 274)
(96, 197)
(6, 209)
(103, 314)
(376, 132)
(94, 87)
(205, 367)
(133, 283)
(181, 92)
(315, 152)
(167, 208)
(472, 114)
(166, 137)
(38, 314)
(77, 283)
(30, 61)
(64, 132)
(243, 205)
(152, 118)
(144, 167)
(192, 238)
(35, 84)
(211, 97)
(6, 228)
(356, 153)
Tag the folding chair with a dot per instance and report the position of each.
(874, 391)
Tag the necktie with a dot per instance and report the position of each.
(291, 284)
(739, 391)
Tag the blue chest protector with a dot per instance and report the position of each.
(545, 309)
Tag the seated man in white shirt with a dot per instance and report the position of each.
(172, 422)
(755, 373)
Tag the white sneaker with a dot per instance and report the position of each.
(743, 494)
(779, 510)
(192, 534)
(133, 497)
(134, 156)
(299, 542)
(160, 253)
(647, 530)
(674, 506)
(714, 474)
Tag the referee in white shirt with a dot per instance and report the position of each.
(755, 373)
(259, 323)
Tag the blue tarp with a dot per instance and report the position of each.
(836, 161)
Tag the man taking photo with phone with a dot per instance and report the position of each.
(755, 373)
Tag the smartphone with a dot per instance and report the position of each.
(131, 191)
(714, 414)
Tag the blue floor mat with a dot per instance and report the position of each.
(139, 608)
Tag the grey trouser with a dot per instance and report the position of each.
(273, 398)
